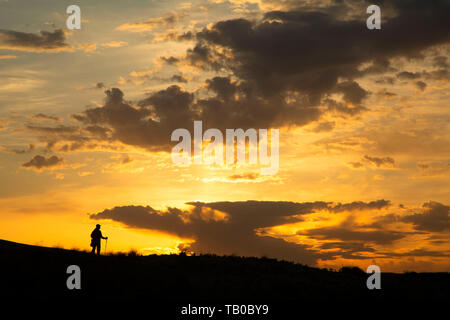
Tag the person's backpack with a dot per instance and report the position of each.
(92, 239)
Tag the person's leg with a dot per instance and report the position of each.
(98, 248)
(93, 249)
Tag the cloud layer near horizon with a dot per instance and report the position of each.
(244, 227)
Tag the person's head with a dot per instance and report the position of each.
(97, 226)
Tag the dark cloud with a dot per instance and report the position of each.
(352, 92)
(174, 36)
(147, 218)
(406, 75)
(281, 52)
(41, 116)
(421, 85)
(39, 162)
(385, 80)
(380, 162)
(223, 87)
(239, 105)
(347, 234)
(325, 126)
(381, 222)
(356, 165)
(435, 217)
(432, 217)
(67, 138)
(386, 93)
(349, 231)
(126, 160)
(148, 125)
(98, 131)
(170, 60)
(378, 66)
(423, 166)
(359, 205)
(45, 41)
(178, 78)
(171, 106)
(204, 57)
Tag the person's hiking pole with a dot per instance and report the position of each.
(106, 244)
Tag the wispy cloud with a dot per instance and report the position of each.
(152, 23)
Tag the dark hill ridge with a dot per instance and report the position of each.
(34, 271)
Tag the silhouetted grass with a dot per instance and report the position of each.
(41, 272)
(130, 253)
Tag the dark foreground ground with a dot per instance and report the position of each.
(40, 273)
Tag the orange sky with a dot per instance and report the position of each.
(363, 116)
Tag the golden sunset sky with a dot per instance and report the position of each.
(364, 175)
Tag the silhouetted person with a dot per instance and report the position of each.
(96, 237)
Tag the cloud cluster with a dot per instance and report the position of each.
(147, 125)
(371, 161)
(39, 162)
(281, 53)
(44, 41)
(241, 227)
(380, 161)
(41, 116)
(272, 72)
(434, 217)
